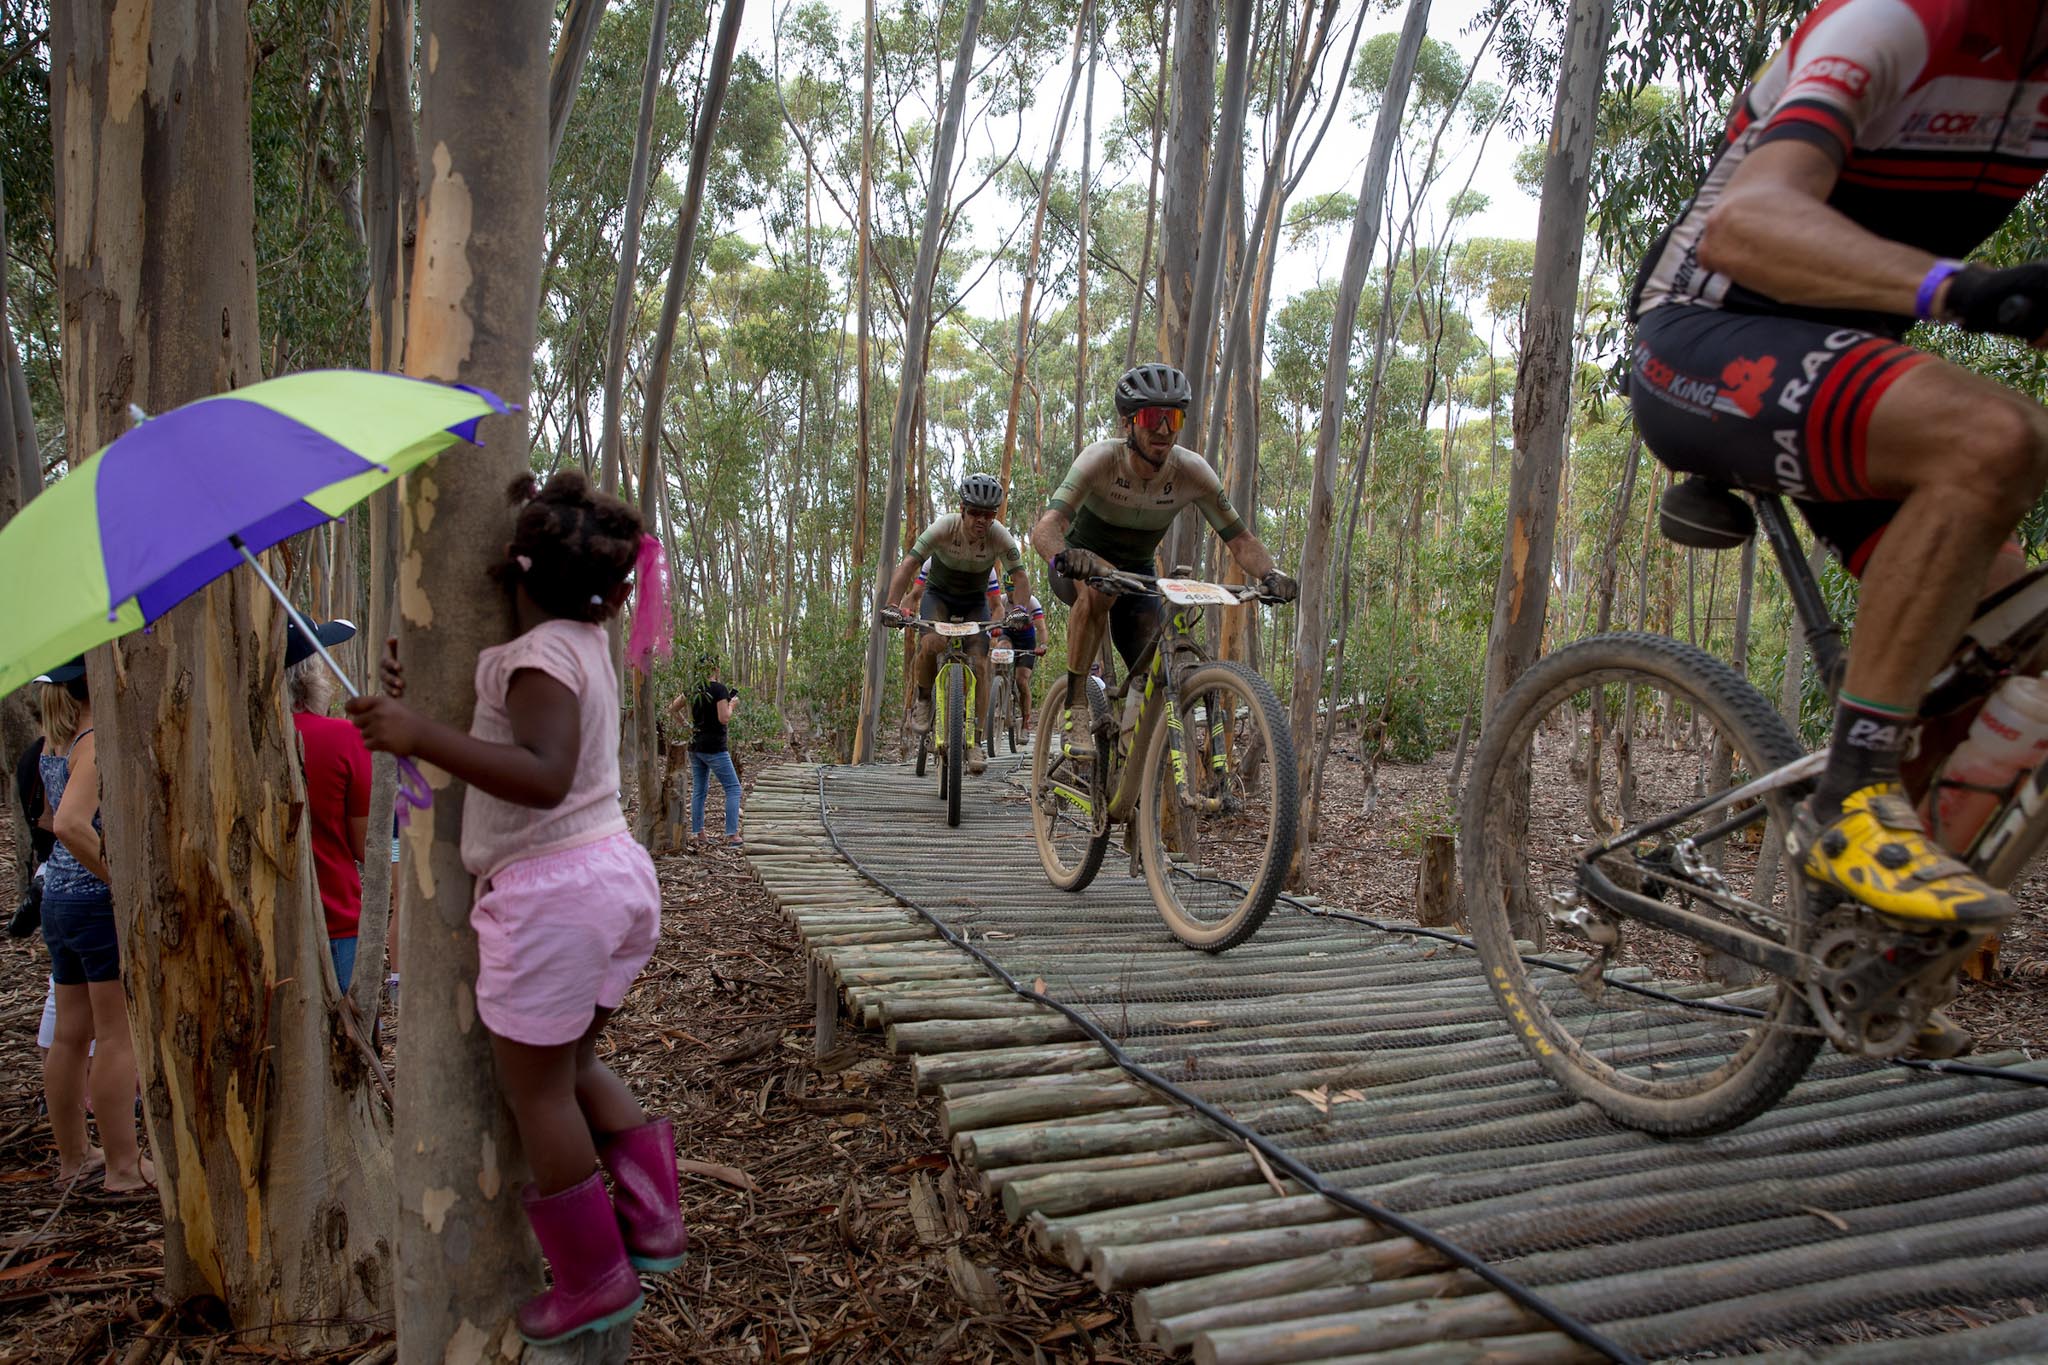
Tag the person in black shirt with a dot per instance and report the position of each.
(711, 705)
(28, 788)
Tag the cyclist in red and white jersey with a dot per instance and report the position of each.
(1887, 139)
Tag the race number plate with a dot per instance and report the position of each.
(1189, 592)
(957, 627)
(1002, 654)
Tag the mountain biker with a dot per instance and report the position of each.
(1114, 507)
(1024, 640)
(963, 546)
(1885, 139)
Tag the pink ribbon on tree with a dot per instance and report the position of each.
(652, 633)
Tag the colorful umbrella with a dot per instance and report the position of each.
(185, 496)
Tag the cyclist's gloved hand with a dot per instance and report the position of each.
(2011, 302)
(892, 615)
(1080, 564)
(1279, 585)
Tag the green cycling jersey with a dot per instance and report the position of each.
(1122, 516)
(961, 556)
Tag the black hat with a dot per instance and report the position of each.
(297, 647)
(65, 673)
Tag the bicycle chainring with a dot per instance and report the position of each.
(1877, 981)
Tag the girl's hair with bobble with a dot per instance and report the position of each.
(572, 546)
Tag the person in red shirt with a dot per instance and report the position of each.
(337, 788)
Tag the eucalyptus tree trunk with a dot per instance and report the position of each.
(390, 208)
(565, 71)
(613, 451)
(465, 1258)
(911, 384)
(271, 1149)
(1187, 159)
(1226, 163)
(1151, 211)
(652, 480)
(1311, 611)
(1089, 18)
(1031, 253)
(863, 733)
(1543, 387)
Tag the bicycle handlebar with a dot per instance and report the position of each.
(1124, 582)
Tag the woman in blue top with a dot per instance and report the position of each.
(85, 959)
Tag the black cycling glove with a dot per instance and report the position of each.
(1081, 564)
(2011, 302)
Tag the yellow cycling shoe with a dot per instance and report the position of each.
(1877, 855)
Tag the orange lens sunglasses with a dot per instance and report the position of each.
(1160, 419)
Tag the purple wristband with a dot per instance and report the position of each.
(1923, 301)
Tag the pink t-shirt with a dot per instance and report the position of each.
(496, 832)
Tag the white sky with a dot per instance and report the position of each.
(1339, 162)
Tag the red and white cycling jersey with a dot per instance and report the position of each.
(1935, 110)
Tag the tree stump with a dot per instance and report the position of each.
(1436, 883)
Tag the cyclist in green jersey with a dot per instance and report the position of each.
(962, 547)
(1115, 506)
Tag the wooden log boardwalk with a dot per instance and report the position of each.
(1376, 1062)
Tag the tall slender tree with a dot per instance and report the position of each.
(465, 1258)
(262, 1119)
(1310, 632)
(910, 387)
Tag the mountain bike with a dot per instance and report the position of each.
(1002, 718)
(1206, 798)
(1630, 800)
(954, 703)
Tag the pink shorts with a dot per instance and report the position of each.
(561, 936)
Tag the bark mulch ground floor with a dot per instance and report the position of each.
(826, 1220)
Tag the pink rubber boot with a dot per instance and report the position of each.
(643, 1165)
(595, 1287)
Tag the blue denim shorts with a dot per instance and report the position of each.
(80, 936)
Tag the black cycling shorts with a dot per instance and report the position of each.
(1135, 618)
(1771, 403)
(944, 606)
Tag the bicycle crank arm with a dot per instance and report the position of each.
(1754, 949)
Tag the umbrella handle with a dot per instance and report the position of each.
(413, 792)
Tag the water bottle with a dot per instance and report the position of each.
(2008, 738)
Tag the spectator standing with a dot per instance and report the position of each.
(711, 705)
(337, 787)
(85, 958)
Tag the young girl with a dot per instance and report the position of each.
(567, 909)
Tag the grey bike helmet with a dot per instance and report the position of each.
(981, 490)
(1151, 386)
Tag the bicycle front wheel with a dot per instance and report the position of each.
(956, 738)
(1217, 810)
(1614, 733)
(1069, 799)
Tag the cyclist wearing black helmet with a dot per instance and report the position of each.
(1115, 506)
(963, 546)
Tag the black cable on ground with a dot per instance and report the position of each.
(1583, 1333)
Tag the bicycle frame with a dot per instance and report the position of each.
(1171, 654)
(2006, 637)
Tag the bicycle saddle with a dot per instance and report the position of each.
(1705, 515)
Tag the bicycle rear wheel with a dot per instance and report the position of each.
(1069, 802)
(1216, 853)
(956, 740)
(1607, 734)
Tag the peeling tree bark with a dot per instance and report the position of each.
(270, 1147)
(465, 1257)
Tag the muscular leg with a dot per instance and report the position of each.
(984, 692)
(1086, 624)
(1021, 680)
(927, 663)
(1968, 457)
